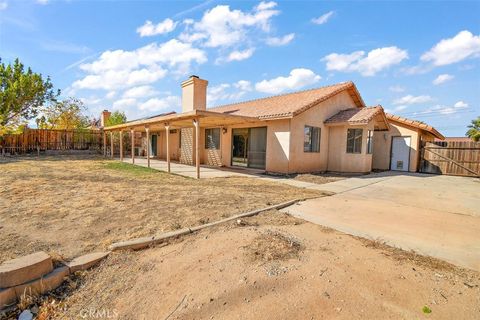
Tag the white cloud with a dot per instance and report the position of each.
(280, 41)
(42, 2)
(111, 95)
(158, 104)
(243, 85)
(228, 92)
(445, 110)
(297, 79)
(223, 27)
(3, 5)
(121, 69)
(124, 103)
(266, 5)
(140, 92)
(323, 18)
(409, 99)
(396, 89)
(113, 79)
(442, 79)
(150, 29)
(464, 45)
(460, 104)
(240, 55)
(375, 61)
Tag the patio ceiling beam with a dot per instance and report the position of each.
(185, 118)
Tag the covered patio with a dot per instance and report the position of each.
(195, 119)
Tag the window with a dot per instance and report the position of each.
(311, 139)
(212, 138)
(370, 142)
(354, 140)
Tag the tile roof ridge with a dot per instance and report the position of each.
(345, 83)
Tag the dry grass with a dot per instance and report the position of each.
(73, 205)
(273, 246)
(319, 178)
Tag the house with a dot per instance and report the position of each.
(324, 129)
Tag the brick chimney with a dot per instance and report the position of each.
(104, 117)
(194, 94)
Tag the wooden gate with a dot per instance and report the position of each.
(458, 158)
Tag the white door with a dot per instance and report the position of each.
(400, 154)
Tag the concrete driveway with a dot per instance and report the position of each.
(433, 215)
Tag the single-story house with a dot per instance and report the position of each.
(324, 129)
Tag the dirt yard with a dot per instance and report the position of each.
(271, 266)
(69, 205)
(319, 178)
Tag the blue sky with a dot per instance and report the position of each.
(417, 59)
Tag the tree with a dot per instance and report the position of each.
(66, 114)
(22, 93)
(117, 117)
(474, 131)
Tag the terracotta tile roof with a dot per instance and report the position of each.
(289, 105)
(415, 124)
(355, 115)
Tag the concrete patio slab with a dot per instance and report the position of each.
(437, 216)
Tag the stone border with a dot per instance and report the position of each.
(145, 242)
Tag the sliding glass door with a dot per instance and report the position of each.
(249, 147)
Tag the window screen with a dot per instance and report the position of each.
(212, 138)
(311, 139)
(354, 140)
(370, 142)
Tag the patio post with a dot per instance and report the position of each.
(196, 123)
(121, 145)
(167, 133)
(104, 144)
(132, 134)
(111, 144)
(147, 130)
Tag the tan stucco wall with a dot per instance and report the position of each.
(301, 161)
(338, 158)
(382, 144)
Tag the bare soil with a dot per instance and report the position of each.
(319, 178)
(304, 271)
(71, 205)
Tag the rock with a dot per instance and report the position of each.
(24, 269)
(25, 315)
(7, 297)
(86, 261)
(40, 286)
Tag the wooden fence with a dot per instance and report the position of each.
(459, 158)
(36, 140)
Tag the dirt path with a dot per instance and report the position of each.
(276, 267)
(68, 205)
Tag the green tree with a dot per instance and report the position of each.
(474, 130)
(22, 93)
(67, 114)
(117, 117)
